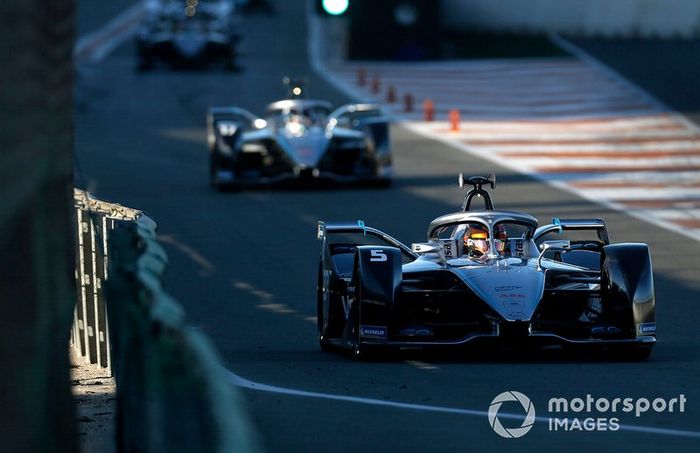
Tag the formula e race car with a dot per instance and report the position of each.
(185, 37)
(485, 277)
(299, 139)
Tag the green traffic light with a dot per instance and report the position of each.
(335, 7)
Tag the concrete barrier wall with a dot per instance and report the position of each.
(633, 18)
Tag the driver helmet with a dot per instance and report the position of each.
(476, 240)
(500, 238)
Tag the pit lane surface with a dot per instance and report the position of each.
(243, 266)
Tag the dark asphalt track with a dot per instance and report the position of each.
(243, 266)
(91, 14)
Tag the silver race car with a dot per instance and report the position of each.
(187, 36)
(299, 139)
(485, 277)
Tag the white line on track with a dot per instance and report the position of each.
(96, 45)
(250, 385)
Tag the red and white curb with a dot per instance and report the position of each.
(570, 122)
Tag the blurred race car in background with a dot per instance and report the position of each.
(485, 277)
(186, 36)
(299, 139)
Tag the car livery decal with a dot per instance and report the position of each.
(506, 288)
(373, 331)
(647, 328)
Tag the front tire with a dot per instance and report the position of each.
(213, 180)
(321, 320)
(358, 350)
(144, 58)
(214, 167)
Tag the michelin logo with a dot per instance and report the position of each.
(373, 331)
(647, 328)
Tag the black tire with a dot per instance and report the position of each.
(321, 322)
(384, 183)
(231, 65)
(357, 349)
(213, 168)
(144, 65)
(230, 57)
(144, 59)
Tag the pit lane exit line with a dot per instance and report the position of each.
(241, 382)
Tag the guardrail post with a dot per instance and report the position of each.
(87, 286)
(79, 313)
(98, 274)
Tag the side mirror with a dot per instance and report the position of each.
(556, 246)
(423, 248)
(563, 244)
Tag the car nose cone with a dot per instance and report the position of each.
(190, 46)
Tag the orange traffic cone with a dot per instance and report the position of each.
(454, 120)
(408, 102)
(428, 110)
(390, 95)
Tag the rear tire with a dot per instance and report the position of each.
(144, 58)
(144, 65)
(384, 183)
(230, 64)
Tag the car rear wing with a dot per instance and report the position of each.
(561, 225)
(358, 114)
(325, 230)
(234, 114)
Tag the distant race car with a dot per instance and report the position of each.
(485, 277)
(192, 36)
(299, 139)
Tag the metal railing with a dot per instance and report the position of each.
(173, 394)
(95, 219)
